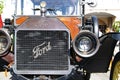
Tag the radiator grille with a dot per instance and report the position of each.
(41, 51)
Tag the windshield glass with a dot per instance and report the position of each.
(59, 7)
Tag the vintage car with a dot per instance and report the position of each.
(54, 40)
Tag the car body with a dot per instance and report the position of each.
(55, 44)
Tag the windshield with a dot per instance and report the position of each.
(59, 7)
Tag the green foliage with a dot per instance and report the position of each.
(1, 6)
(116, 26)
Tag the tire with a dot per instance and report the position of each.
(115, 69)
(87, 76)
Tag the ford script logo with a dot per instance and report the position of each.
(41, 49)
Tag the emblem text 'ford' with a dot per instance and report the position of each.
(41, 49)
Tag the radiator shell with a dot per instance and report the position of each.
(41, 49)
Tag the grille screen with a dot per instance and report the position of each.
(42, 50)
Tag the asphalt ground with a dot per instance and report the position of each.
(94, 76)
(100, 76)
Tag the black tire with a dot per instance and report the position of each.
(115, 67)
(3, 63)
(87, 76)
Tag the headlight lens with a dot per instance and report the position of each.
(86, 44)
(5, 42)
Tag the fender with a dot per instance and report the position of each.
(72, 24)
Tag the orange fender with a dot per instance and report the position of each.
(72, 24)
(20, 20)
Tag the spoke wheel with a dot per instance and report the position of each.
(115, 70)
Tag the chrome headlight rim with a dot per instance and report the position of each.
(94, 47)
(4, 34)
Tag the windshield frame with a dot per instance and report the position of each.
(21, 4)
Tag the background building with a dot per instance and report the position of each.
(107, 11)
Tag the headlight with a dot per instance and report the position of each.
(85, 44)
(5, 42)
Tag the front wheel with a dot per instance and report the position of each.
(115, 70)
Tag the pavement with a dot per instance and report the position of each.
(100, 76)
(94, 76)
(3, 77)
